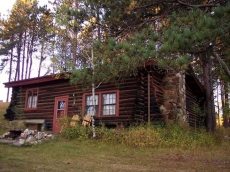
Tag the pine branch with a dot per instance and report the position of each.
(225, 67)
(198, 6)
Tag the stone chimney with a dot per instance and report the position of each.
(174, 96)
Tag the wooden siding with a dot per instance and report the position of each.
(46, 97)
(156, 96)
(49, 90)
(155, 100)
(133, 99)
(192, 102)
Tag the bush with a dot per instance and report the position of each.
(76, 132)
(185, 137)
(171, 136)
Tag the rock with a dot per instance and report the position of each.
(39, 135)
(4, 135)
(28, 136)
(26, 132)
(17, 144)
(23, 136)
(30, 139)
(50, 136)
(34, 143)
(21, 141)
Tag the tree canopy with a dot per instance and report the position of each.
(102, 41)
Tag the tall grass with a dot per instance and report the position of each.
(3, 123)
(3, 107)
(150, 136)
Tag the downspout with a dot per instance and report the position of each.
(148, 98)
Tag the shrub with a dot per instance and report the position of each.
(171, 136)
(185, 137)
(76, 132)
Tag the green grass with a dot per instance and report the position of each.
(60, 155)
(137, 149)
(3, 122)
(3, 107)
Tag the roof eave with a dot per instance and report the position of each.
(34, 80)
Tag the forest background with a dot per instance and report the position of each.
(5, 9)
(109, 40)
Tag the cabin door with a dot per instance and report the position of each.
(60, 111)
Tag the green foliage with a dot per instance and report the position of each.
(172, 136)
(4, 124)
(221, 133)
(113, 59)
(184, 137)
(18, 109)
(73, 132)
(76, 132)
(23, 33)
(150, 136)
(226, 111)
(197, 110)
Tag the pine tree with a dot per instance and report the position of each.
(21, 36)
(173, 33)
(70, 16)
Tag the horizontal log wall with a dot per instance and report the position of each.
(131, 106)
(139, 109)
(155, 100)
(193, 118)
(46, 99)
(49, 90)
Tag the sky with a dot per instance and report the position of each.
(5, 7)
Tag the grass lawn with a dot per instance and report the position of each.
(60, 155)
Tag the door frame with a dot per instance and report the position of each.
(56, 125)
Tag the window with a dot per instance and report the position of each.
(106, 103)
(109, 104)
(61, 109)
(89, 104)
(31, 98)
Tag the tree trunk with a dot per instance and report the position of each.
(225, 105)
(10, 73)
(98, 25)
(23, 56)
(27, 59)
(217, 100)
(30, 66)
(19, 47)
(210, 113)
(31, 54)
(41, 59)
(74, 53)
(74, 41)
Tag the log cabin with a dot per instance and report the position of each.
(154, 96)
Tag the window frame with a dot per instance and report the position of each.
(26, 100)
(100, 105)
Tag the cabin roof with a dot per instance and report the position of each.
(191, 79)
(35, 80)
